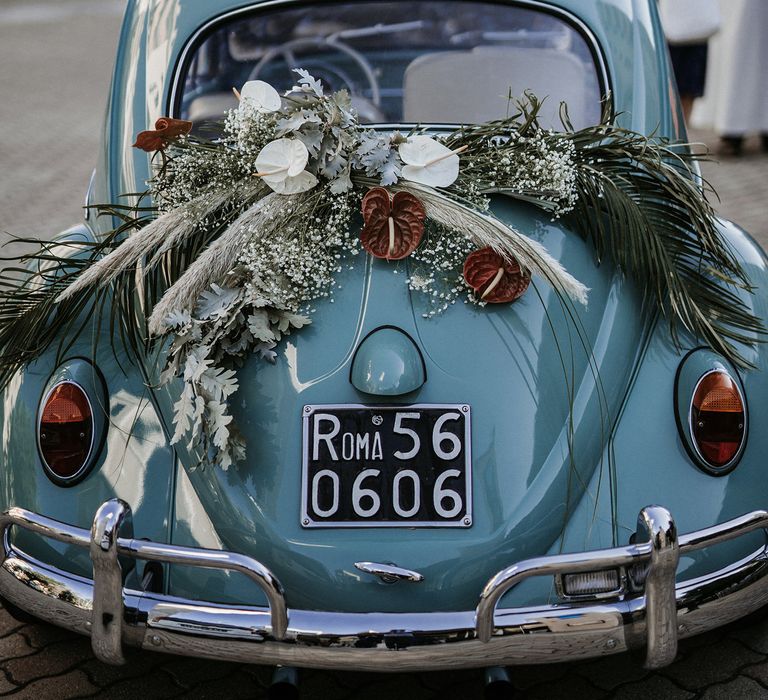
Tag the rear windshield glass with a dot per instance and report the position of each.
(413, 62)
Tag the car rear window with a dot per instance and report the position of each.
(422, 62)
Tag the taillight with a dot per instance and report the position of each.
(66, 430)
(718, 419)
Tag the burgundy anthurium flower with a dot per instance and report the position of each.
(393, 227)
(166, 129)
(496, 280)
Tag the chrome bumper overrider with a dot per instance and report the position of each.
(654, 617)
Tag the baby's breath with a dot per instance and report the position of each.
(289, 256)
(437, 268)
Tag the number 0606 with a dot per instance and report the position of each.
(366, 502)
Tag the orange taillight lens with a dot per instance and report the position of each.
(718, 418)
(65, 432)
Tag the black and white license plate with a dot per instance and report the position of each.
(386, 466)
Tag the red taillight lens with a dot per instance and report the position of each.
(718, 418)
(66, 430)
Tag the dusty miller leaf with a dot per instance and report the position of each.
(182, 413)
(332, 166)
(308, 83)
(258, 325)
(219, 383)
(288, 320)
(312, 139)
(266, 352)
(296, 120)
(216, 303)
(218, 420)
(178, 319)
(197, 362)
(390, 171)
(342, 184)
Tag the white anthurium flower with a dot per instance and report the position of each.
(281, 164)
(303, 182)
(429, 162)
(260, 96)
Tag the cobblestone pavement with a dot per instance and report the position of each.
(56, 59)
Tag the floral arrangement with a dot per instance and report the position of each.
(247, 231)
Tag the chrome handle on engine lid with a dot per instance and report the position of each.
(389, 573)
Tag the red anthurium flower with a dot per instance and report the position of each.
(495, 279)
(393, 227)
(166, 129)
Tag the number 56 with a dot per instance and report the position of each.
(439, 436)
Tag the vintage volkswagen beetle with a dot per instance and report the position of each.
(529, 548)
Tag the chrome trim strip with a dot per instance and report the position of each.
(47, 527)
(88, 193)
(578, 24)
(396, 642)
(756, 520)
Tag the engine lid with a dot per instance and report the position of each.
(544, 380)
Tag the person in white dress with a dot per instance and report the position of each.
(735, 101)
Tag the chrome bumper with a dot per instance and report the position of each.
(655, 616)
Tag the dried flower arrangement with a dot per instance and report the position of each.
(248, 230)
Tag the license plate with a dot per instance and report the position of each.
(386, 466)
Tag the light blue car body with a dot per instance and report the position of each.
(546, 479)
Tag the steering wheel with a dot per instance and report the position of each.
(286, 51)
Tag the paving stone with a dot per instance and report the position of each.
(754, 634)
(237, 684)
(262, 675)
(323, 684)
(612, 672)
(6, 686)
(153, 685)
(702, 667)
(52, 660)
(41, 634)
(524, 677)
(74, 684)
(14, 646)
(424, 686)
(189, 673)
(8, 623)
(138, 664)
(655, 686)
(738, 689)
(566, 688)
(707, 639)
(758, 672)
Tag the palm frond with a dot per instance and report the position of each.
(49, 298)
(640, 204)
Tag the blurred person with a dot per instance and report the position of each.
(689, 63)
(735, 100)
(688, 25)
